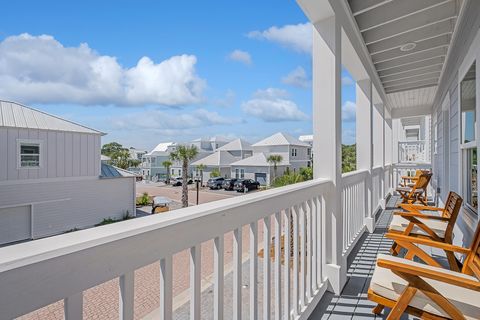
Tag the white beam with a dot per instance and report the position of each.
(437, 61)
(394, 11)
(361, 6)
(418, 56)
(427, 32)
(398, 113)
(327, 128)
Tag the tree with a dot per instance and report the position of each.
(111, 148)
(121, 158)
(184, 154)
(349, 158)
(167, 164)
(215, 173)
(306, 173)
(274, 159)
(200, 168)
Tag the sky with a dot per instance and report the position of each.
(146, 72)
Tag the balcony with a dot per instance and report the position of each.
(407, 59)
(62, 270)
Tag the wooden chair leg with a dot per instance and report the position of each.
(402, 303)
(378, 309)
(452, 261)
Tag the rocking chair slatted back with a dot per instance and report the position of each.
(451, 211)
(472, 261)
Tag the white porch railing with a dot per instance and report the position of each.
(38, 273)
(413, 151)
(354, 205)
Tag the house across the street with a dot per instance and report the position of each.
(51, 176)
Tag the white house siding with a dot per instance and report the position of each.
(64, 154)
(59, 206)
(449, 149)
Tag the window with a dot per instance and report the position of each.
(294, 152)
(309, 152)
(29, 154)
(468, 136)
(239, 173)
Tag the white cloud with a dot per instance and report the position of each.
(39, 69)
(297, 78)
(297, 37)
(271, 105)
(227, 101)
(240, 56)
(348, 136)
(161, 120)
(347, 81)
(349, 111)
(270, 93)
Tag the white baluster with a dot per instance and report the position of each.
(126, 296)
(195, 281)
(166, 288)
(218, 274)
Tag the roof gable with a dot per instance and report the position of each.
(16, 115)
(219, 158)
(280, 139)
(237, 144)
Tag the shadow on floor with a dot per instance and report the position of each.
(353, 303)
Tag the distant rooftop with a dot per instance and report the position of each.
(280, 139)
(237, 144)
(219, 158)
(15, 115)
(161, 147)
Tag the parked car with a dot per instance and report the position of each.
(215, 183)
(246, 185)
(176, 182)
(229, 184)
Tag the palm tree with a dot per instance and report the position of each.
(184, 154)
(274, 159)
(200, 168)
(167, 164)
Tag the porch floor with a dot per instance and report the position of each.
(353, 303)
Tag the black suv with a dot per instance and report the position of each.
(215, 183)
(229, 184)
(246, 185)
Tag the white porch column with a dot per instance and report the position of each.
(364, 137)
(383, 188)
(327, 129)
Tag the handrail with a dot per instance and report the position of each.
(38, 273)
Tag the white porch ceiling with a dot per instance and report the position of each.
(409, 77)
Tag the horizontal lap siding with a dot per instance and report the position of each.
(454, 137)
(467, 30)
(64, 154)
(61, 206)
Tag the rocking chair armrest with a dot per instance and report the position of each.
(429, 273)
(427, 242)
(417, 207)
(419, 215)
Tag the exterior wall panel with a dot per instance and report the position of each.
(63, 154)
(62, 206)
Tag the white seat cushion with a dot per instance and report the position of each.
(400, 224)
(387, 284)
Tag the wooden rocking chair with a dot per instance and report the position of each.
(418, 192)
(409, 181)
(425, 291)
(431, 227)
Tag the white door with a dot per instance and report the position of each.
(15, 224)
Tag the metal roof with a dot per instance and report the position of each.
(16, 115)
(108, 171)
(161, 147)
(235, 145)
(219, 158)
(280, 139)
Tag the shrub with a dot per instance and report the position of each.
(215, 173)
(306, 173)
(287, 179)
(144, 200)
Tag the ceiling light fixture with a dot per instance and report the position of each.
(408, 47)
